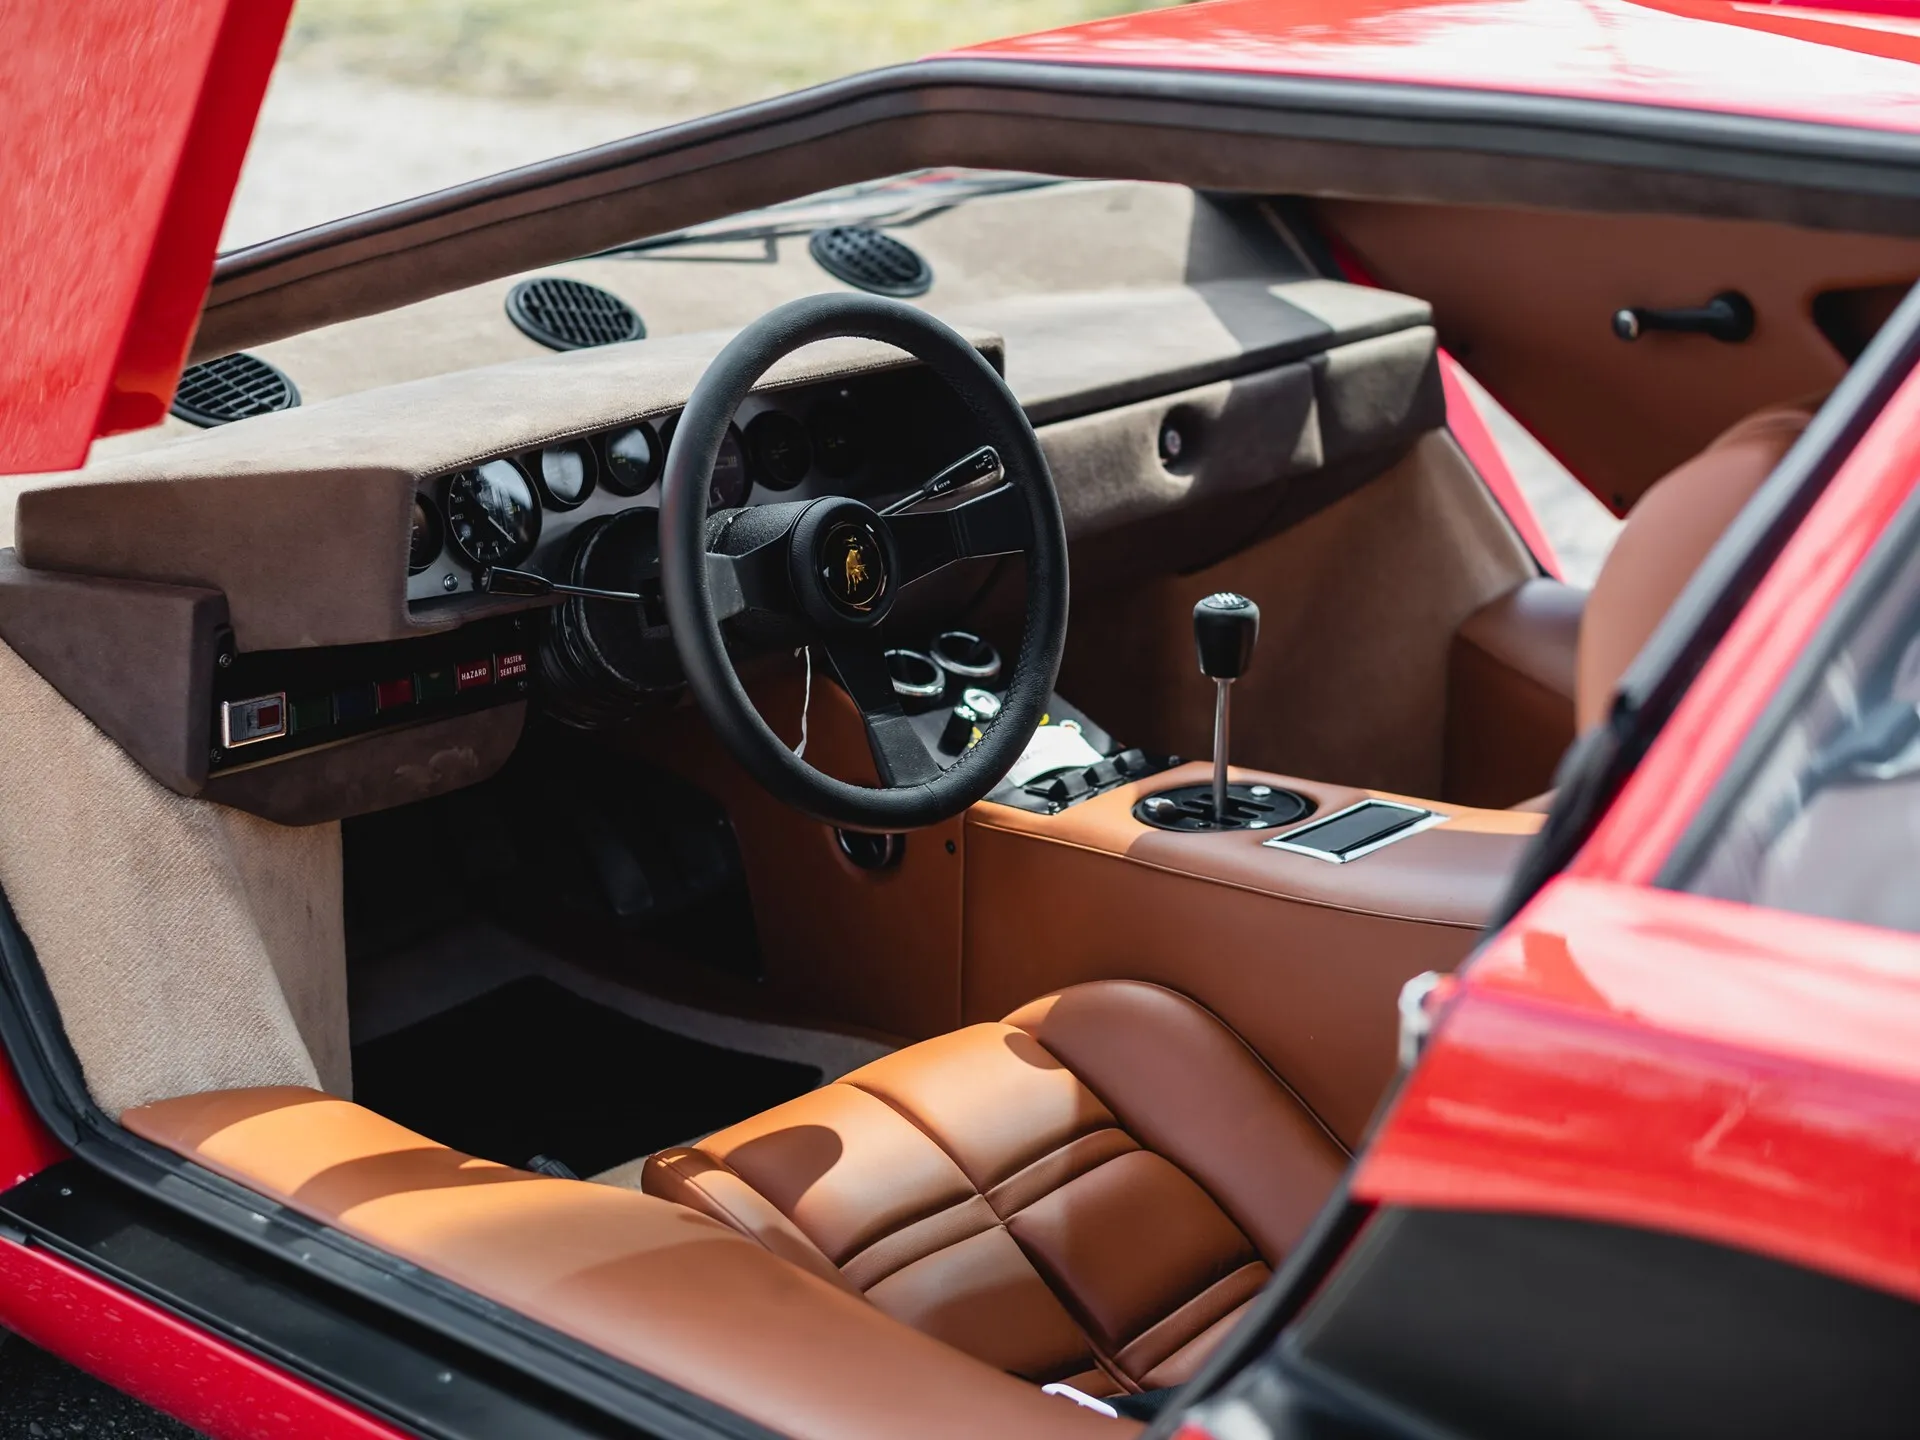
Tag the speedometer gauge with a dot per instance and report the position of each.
(492, 514)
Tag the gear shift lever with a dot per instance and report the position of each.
(1225, 626)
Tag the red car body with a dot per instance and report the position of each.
(1618, 1052)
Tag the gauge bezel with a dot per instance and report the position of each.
(520, 553)
(609, 472)
(534, 463)
(738, 439)
(758, 469)
(435, 522)
(820, 419)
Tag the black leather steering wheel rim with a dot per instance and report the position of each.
(1027, 500)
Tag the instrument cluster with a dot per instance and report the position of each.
(527, 510)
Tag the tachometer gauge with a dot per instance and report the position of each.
(730, 482)
(633, 459)
(728, 488)
(424, 548)
(837, 446)
(780, 450)
(566, 474)
(492, 514)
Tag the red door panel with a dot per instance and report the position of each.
(125, 122)
(163, 1361)
(1678, 1063)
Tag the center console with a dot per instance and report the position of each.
(1294, 908)
(1295, 911)
(1299, 938)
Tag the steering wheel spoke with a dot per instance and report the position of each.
(996, 523)
(899, 755)
(756, 580)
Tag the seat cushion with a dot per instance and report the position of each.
(650, 1284)
(1089, 1191)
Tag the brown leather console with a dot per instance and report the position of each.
(1304, 959)
(1089, 1191)
(648, 1282)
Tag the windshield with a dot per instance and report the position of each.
(377, 101)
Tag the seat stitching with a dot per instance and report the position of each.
(1265, 1069)
(692, 1182)
(1070, 1303)
(1252, 1054)
(1067, 1303)
(914, 1120)
(908, 1225)
(1091, 1170)
(1192, 1300)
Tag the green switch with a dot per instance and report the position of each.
(311, 712)
(431, 685)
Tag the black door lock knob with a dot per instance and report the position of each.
(1728, 318)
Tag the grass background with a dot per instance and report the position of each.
(652, 55)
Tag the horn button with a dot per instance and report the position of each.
(843, 564)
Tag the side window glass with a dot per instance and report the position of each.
(1829, 822)
(1580, 529)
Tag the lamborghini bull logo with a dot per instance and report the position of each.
(853, 568)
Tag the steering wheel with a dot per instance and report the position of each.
(825, 573)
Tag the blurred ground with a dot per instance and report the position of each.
(44, 1399)
(379, 100)
(332, 143)
(679, 56)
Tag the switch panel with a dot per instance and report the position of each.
(271, 703)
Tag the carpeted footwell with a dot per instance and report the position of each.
(533, 1069)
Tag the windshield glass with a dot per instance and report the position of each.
(376, 101)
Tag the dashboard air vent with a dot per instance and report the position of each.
(864, 257)
(231, 387)
(569, 315)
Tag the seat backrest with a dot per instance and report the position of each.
(1665, 538)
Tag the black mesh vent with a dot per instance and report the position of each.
(862, 256)
(231, 387)
(567, 315)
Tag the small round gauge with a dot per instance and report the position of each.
(633, 459)
(731, 483)
(780, 449)
(837, 445)
(567, 474)
(492, 514)
(428, 536)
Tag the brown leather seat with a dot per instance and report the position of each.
(651, 1284)
(1537, 665)
(1091, 1191)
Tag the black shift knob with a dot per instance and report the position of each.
(1224, 628)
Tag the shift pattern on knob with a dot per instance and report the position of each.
(1225, 626)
